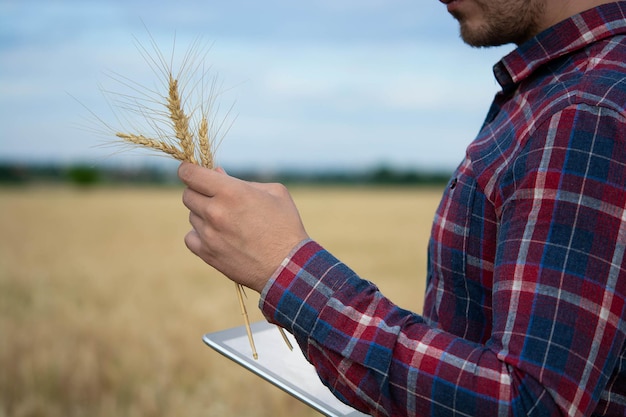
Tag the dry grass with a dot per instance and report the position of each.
(102, 308)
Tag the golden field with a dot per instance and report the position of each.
(102, 307)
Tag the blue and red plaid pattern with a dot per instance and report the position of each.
(525, 310)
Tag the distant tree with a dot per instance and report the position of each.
(83, 175)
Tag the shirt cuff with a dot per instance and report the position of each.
(301, 287)
(280, 269)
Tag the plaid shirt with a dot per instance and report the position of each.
(525, 310)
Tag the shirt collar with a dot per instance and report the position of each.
(565, 37)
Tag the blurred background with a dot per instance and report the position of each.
(362, 107)
(314, 85)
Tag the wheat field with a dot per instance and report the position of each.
(102, 308)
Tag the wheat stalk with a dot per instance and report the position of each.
(186, 147)
(186, 152)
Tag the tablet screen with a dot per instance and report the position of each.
(287, 369)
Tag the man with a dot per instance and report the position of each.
(525, 311)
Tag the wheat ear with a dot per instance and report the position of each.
(164, 147)
(180, 121)
(206, 153)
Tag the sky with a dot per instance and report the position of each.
(322, 84)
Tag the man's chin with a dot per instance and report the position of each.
(480, 37)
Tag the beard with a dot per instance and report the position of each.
(502, 22)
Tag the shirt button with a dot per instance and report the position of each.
(453, 183)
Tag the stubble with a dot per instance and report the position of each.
(501, 22)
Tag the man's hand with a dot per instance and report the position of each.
(242, 229)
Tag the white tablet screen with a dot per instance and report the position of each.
(286, 369)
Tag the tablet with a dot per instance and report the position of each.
(287, 369)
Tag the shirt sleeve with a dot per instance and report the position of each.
(559, 297)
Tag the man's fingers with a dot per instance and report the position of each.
(193, 242)
(193, 200)
(198, 224)
(203, 180)
(209, 182)
(274, 189)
